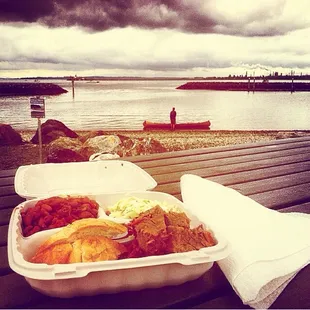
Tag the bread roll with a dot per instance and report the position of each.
(84, 228)
(94, 249)
(86, 240)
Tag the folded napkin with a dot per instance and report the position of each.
(268, 247)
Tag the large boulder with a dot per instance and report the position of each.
(64, 149)
(51, 130)
(100, 144)
(91, 134)
(64, 156)
(65, 143)
(140, 146)
(8, 136)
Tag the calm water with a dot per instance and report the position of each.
(126, 104)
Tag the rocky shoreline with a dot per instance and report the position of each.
(30, 89)
(246, 86)
(13, 156)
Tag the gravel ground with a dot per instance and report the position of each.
(15, 156)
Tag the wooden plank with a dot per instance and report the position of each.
(7, 181)
(303, 208)
(229, 301)
(4, 235)
(215, 170)
(163, 162)
(182, 153)
(10, 201)
(296, 294)
(280, 198)
(284, 197)
(4, 263)
(210, 162)
(243, 177)
(7, 190)
(15, 292)
(265, 185)
(5, 215)
(7, 173)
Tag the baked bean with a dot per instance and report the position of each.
(57, 212)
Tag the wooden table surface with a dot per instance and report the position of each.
(276, 174)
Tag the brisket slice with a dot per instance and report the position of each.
(177, 219)
(150, 231)
(157, 232)
(183, 239)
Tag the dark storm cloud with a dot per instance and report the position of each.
(24, 10)
(192, 16)
(100, 15)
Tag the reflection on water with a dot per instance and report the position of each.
(126, 104)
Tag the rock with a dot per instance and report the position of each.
(51, 130)
(8, 136)
(30, 89)
(100, 144)
(65, 143)
(133, 147)
(64, 149)
(123, 138)
(64, 156)
(90, 135)
(120, 145)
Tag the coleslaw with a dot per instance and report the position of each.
(131, 207)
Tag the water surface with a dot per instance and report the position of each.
(126, 104)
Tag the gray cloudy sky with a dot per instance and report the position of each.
(153, 37)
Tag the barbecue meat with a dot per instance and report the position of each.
(182, 239)
(177, 219)
(158, 232)
(150, 231)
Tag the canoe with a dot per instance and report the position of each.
(147, 125)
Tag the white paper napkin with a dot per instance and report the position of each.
(268, 247)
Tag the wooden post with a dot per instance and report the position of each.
(72, 81)
(40, 140)
(292, 89)
(37, 108)
(254, 82)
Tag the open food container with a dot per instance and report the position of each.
(41, 180)
(109, 276)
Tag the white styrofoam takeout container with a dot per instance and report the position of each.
(34, 181)
(68, 280)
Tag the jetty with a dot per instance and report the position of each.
(30, 89)
(247, 86)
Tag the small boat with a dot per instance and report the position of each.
(147, 125)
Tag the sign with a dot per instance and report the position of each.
(37, 107)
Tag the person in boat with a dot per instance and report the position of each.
(173, 117)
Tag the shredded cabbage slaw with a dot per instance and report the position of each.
(131, 207)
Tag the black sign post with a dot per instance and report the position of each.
(37, 108)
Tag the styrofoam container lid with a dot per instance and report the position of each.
(34, 181)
